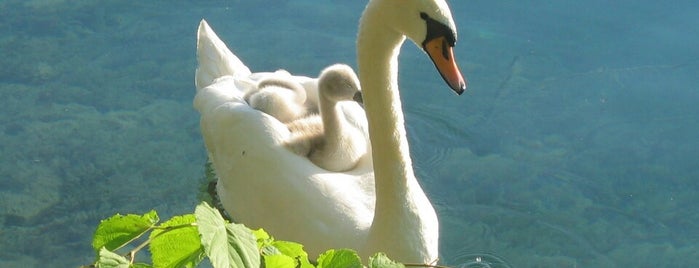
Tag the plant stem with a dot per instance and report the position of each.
(132, 254)
(136, 237)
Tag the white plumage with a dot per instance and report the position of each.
(376, 205)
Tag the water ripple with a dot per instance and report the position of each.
(480, 260)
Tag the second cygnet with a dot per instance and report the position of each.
(280, 97)
(329, 140)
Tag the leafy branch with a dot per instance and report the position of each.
(184, 241)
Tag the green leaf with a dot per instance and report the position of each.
(108, 259)
(212, 229)
(176, 243)
(226, 244)
(242, 245)
(263, 238)
(295, 251)
(116, 231)
(270, 250)
(340, 258)
(290, 249)
(380, 260)
(269, 247)
(279, 261)
(261, 234)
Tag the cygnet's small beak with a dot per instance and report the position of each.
(442, 55)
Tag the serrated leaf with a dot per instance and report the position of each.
(243, 245)
(295, 251)
(270, 250)
(380, 260)
(212, 229)
(290, 249)
(339, 258)
(268, 247)
(226, 244)
(261, 234)
(263, 238)
(177, 244)
(108, 259)
(114, 232)
(279, 261)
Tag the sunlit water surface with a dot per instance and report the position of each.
(575, 145)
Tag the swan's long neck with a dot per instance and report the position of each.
(378, 70)
(402, 212)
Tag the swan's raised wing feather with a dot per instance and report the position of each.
(215, 59)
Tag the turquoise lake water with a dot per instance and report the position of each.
(576, 144)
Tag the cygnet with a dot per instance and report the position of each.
(329, 140)
(280, 97)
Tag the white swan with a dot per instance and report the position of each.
(378, 206)
(329, 140)
(279, 96)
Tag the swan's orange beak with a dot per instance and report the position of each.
(442, 54)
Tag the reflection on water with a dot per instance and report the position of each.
(575, 145)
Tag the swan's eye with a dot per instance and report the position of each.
(445, 50)
(436, 29)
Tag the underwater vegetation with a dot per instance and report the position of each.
(575, 145)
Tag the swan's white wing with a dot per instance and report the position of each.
(355, 115)
(215, 59)
(261, 183)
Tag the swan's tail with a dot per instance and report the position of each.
(214, 58)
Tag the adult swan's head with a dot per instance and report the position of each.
(428, 23)
(405, 224)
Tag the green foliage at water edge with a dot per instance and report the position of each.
(186, 240)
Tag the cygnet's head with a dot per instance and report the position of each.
(338, 83)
